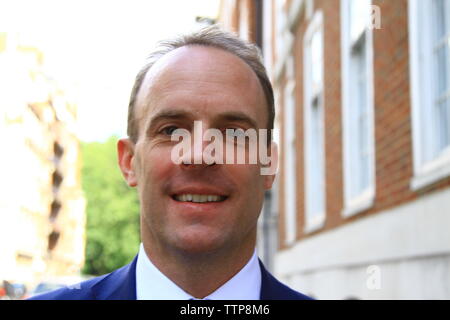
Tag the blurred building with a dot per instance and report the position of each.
(42, 215)
(363, 107)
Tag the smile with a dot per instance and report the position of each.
(199, 198)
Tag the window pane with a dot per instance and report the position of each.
(441, 70)
(359, 17)
(364, 153)
(313, 88)
(443, 117)
(316, 159)
(316, 61)
(363, 121)
(440, 75)
(441, 18)
(359, 126)
(290, 166)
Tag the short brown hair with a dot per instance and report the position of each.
(211, 36)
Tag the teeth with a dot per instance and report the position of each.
(199, 198)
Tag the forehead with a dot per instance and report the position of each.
(202, 79)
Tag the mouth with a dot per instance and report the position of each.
(198, 198)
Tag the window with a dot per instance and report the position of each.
(280, 25)
(314, 125)
(357, 106)
(290, 159)
(429, 25)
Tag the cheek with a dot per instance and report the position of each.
(248, 180)
(250, 194)
(161, 168)
(154, 168)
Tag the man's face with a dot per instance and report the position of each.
(215, 87)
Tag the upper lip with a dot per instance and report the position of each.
(205, 190)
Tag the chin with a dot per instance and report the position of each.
(199, 243)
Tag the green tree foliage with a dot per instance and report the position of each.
(112, 210)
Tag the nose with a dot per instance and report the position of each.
(195, 158)
(200, 148)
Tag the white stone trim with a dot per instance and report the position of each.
(361, 203)
(418, 228)
(432, 172)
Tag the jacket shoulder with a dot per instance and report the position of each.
(117, 285)
(80, 291)
(287, 293)
(272, 289)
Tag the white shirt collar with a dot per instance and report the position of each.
(152, 284)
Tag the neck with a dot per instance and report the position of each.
(200, 274)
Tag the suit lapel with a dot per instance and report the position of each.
(118, 285)
(272, 289)
(269, 289)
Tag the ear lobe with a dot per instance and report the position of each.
(125, 152)
(273, 166)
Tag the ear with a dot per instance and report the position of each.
(273, 166)
(125, 152)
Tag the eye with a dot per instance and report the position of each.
(168, 131)
(235, 132)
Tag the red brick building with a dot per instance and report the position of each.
(362, 196)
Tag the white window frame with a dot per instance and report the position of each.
(290, 159)
(313, 220)
(280, 29)
(431, 171)
(365, 199)
(244, 30)
(268, 31)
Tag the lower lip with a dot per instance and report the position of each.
(187, 207)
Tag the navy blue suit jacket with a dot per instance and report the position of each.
(121, 285)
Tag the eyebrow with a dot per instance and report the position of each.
(185, 115)
(167, 115)
(237, 116)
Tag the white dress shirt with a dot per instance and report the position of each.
(152, 284)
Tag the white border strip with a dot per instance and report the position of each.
(418, 228)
